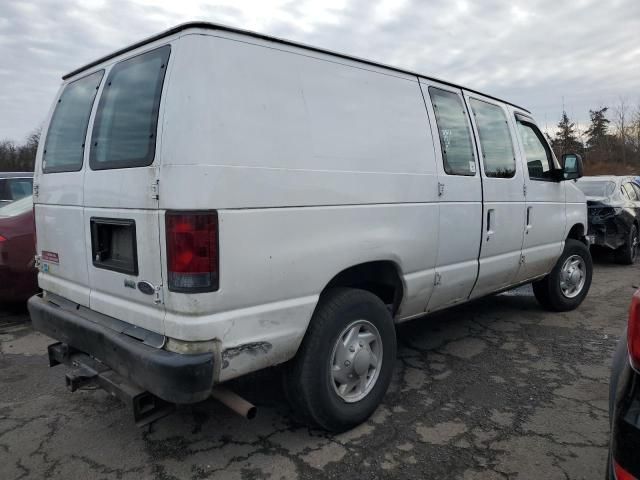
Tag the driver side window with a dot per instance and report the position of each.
(536, 151)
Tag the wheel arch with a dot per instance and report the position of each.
(383, 278)
(578, 232)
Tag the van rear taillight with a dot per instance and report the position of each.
(192, 251)
(633, 331)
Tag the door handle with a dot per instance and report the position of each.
(490, 223)
(529, 216)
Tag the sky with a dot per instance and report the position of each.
(540, 54)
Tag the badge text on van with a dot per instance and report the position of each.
(51, 257)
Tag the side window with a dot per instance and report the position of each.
(64, 146)
(536, 150)
(624, 193)
(453, 128)
(630, 192)
(124, 131)
(495, 139)
(20, 188)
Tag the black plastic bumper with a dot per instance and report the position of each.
(173, 377)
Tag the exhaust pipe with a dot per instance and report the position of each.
(235, 402)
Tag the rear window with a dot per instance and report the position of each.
(124, 131)
(64, 146)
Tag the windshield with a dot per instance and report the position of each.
(597, 189)
(18, 207)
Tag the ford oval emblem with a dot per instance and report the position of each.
(146, 288)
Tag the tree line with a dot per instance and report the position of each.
(19, 157)
(609, 145)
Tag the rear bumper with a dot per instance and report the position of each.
(173, 377)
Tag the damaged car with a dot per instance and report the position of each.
(614, 207)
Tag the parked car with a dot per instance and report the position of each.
(14, 186)
(624, 401)
(18, 275)
(268, 203)
(614, 214)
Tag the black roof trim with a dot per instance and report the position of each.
(225, 28)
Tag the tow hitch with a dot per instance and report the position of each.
(87, 371)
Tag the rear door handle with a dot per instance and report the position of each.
(490, 223)
(529, 217)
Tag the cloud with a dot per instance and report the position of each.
(535, 54)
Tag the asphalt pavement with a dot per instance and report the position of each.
(496, 389)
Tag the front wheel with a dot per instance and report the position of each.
(628, 253)
(568, 283)
(344, 365)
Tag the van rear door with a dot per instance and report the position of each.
(121, 216)
(58, 191)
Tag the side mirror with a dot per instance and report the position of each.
(572, 168)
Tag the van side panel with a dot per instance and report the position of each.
(314, 166)
(268, 128)
(61, 232)
(275, 263)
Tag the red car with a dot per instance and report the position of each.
(18, 275)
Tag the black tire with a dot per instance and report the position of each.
(628, 253)
(548, 291)
(308, 380)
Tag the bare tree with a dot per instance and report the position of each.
(621, 122)
(635, 132)
(15, 157)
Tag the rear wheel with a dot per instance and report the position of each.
(344, 365)
(628, 253)
(569, 281)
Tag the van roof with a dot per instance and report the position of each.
(216, 26)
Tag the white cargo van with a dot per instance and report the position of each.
(210, 202)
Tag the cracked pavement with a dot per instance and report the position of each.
(496, 389)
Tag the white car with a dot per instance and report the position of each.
(210, 202)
